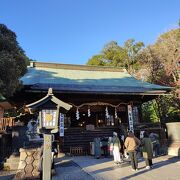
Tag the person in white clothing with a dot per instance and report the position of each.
(116, 149)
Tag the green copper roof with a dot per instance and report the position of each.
(85, 78)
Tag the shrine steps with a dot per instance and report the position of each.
(12, 163)
(79, 137)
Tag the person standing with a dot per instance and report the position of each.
(97, 148)
(104, 147)
(121, 138)
(156, 144)
(116, 149)
(132, 143)
(147, 150)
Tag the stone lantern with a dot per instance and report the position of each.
(49, 108)
(173, 130)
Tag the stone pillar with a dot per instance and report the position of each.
(47, 156)
(173, 130)
(29, 164)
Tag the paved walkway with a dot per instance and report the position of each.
(89, 168)
(68, 170)
(165, 168)
(7, 175)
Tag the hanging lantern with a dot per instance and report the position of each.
(89, 112)
(107, 113)
(77, 114)
(115, 114)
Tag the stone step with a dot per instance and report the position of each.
(13, 160)
(80, 137)
(11, 166)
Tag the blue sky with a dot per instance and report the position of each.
(72, 31)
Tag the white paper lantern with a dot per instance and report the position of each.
(77, 114)
(115, 113)
(89, 112)
(107, 113)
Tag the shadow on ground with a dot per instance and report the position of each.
(7, 175)
(155, 166)
(69, 170)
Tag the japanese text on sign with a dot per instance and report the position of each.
(61, 125)
(131, 125)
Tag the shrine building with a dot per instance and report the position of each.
(103, 99)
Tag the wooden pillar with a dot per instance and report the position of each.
(140, 113)
(1, 112)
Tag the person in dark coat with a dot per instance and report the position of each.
(156, 144)
(104, 147)
(147, 150)
(97, 148)
(121, 138)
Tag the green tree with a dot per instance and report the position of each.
(149, 112)
(13, 61)
(114, 55)
(111, 55)
(96, 60)
(132, 49)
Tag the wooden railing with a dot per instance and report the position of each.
(6, 123)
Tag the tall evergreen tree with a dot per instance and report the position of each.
(13, 62)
